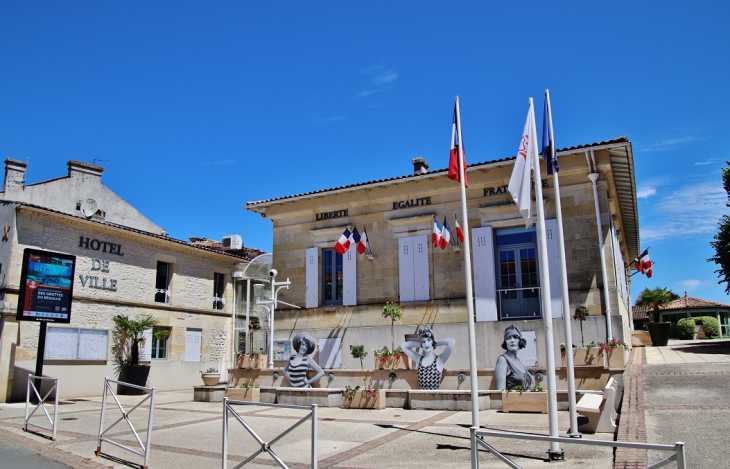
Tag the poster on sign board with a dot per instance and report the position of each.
(46, 286)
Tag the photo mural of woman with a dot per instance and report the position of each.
(296, 367)
(509, 372)
(430, 365)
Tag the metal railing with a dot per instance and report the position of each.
(41, 404)
(266, 447)
(500, 293)
(677, 448)
(145, 447)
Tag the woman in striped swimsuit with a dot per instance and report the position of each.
(430, 365)
(296, 367)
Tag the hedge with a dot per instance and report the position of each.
(711, 325)
(686, 328)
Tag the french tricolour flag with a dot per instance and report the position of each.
(362, 246)
(436, 232)
(354, 238)
(445, 235)
(459, 233)
(343, 244)
(454, 154)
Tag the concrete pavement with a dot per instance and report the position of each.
(675, 393)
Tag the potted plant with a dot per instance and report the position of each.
(127, 338)
(211, 376)
(364, 398)
(358, 351)
(519, 399)
(244, 392)
(392, 311)
(614, 358)
(387, 359)
(657, 297)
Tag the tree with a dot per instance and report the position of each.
(721, 244)
(655, 297)
(358, 351)
(392, 311)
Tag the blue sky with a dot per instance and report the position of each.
(196, 108)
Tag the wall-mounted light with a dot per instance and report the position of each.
(392, 376)
(275, 375)
(330, 376)
(461, 376)
(539, 376)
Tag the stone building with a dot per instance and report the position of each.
(125, 265)
(342, 296)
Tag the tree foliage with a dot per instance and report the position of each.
(655, 297)
(721, 242)
(128, 337)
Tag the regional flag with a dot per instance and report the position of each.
(519, 182)
(454, 155)
(362, 245)
(445, 235)
(343, 244)
(548, 140)
(436, 232)
(459, 232)
(643, 263)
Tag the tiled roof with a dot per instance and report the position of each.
(248, 253)
(429, 173)
(641, 313)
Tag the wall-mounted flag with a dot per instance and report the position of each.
(445, 235)
(343, 244)
(362, 245)
(643, 263)
(436, 232)
(459, 233)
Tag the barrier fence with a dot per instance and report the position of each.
(145, 447)
(475, 434)
(32, 380)
(266, 447)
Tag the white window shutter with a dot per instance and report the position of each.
(420, 269)
(405, 269)
(330, 352)
(554, 268)
(528, 355)
(145, 351)
(312, 277)
(485, 287)
(193, 344)
(349, 277)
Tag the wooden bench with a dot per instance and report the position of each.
(599, 409)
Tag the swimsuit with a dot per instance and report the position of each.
(516, 377)
(429, 377)
(298, 374)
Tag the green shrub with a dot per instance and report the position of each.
(712, 327)
(686, 328)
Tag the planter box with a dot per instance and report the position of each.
(243, 394)
(261, 363)
(392, 363)
(365, 400)
(615, 358)
(210, 379)
(516, 401)
(582, 357)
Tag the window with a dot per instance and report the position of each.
(518, 286)
(332, 276)
(219, 288)
(413, 268)
(162, 282)
(159, 346)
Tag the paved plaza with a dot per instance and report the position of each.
(674, 393)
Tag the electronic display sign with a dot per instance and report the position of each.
(46, 286)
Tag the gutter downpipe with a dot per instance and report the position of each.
(593, 176)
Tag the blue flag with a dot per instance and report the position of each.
(547, 142)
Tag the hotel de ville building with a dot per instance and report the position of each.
(339, 297)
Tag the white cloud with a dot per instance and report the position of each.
(666, 144)
(692, 283)
(686, 212)
(702, 163)
(644, 192)
(380, 77)
(383, 78)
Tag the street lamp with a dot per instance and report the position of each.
(272, 303)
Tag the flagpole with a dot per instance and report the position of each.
(555, 452)
(467, 275)
(574, 433)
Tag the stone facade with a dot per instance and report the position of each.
(405, 207)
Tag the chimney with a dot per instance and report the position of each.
(419, 165)
(14, 175)
(77, 169)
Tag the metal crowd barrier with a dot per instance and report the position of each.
(266, 447)
(41, 404)
(145, 447)
(475, 433)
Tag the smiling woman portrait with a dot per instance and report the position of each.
(509, 372)
(430, 365)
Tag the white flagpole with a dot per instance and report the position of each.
(574, 433)
(555, 452)
(467, 275)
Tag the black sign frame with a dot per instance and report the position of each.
(54, 303)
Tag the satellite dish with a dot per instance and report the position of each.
(89, 207)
